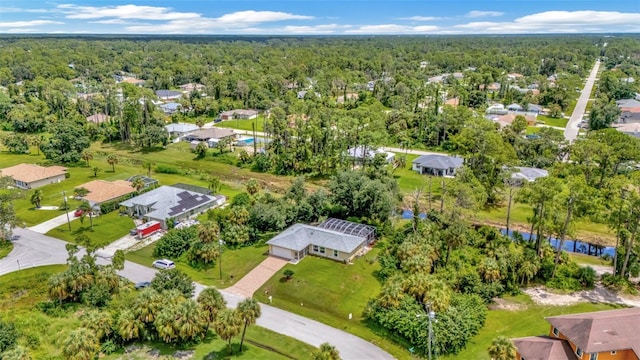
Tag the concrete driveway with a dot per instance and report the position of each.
(49, 225)
(33, 249)
(251, 282)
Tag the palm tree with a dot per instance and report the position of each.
(165, 324)
(80, 192)
(112, 159)
(227, 325)
(211, 301)
(36, 198)
(86, 209)
(214, 184)
(95, 170)
(16, 353)
(99, 322)
(190, 321)
(81, 344)
(199, 122)
(502, 349)
(58, 288)
(253, 187)
(138, 184)
(326, 351)
(129, 327)
(86, 156)
(249, 311)
(147, 165)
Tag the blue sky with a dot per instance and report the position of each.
(333, 17)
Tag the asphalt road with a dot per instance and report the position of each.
(571, 131)
(33, 249)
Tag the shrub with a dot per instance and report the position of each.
(587, 276)
(173, 279)
(288, 274)
(166, 169)
(175, 242)
(110, 347)
(8, 336)
(99, 294)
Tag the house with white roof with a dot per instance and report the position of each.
(361, 153)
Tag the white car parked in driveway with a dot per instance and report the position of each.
(164, 264)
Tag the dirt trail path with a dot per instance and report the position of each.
(600, 294)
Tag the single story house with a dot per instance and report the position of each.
(437, 164)
(180, 129)
(628, 103)
(453, 102)
(168, 202)
(632, 128)
(359, 154)
(334, 239)
(508, 119)
(98, 118)
(101, 191)
(534, 108)
(209, 133)
(148, 182)
(527, 174)
(239, 114)
(170, 107)
(189, 87)
(514, 107)
(134, 81)
(168, 94)
(30, 176)
(514, 76)
(496, 109)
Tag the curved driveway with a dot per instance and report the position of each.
(33, 249)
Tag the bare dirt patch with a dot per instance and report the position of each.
(599, 294)
(502, 304)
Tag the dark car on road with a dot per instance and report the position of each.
(142, 284)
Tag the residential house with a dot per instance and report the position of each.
(134, 81)
(534, 108)
(629, 111)
(101, 191)
(601, 335)
(239, 114)
(496, 109)
(514, 107)
(334, 239)
(30, 176)
(359, 154)
(168, 202)
(98, 118)
(350, 96)
(631, 128)
(437, 164)
(523, 174)
(189, 87)
(508, 119)
(452, 102)
(170, 107)
(168, 94)
(179, 130)
(514, 76)
(209, 134)
(552, 78)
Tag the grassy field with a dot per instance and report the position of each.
(235, 264)
(532, 130)
(548, 120)
(329, 291)
(530, 322)
(5, 248)
(584, 259)
(106, 229)
(409, 180)
(244, 124)
(44, 335)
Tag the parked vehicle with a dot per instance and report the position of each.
(133, 232)
(148, 228)
(78, 213)
(164, 264)
(142, 285)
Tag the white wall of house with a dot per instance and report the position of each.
(281, 252)
(43, 182)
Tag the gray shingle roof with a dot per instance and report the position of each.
(181, 127)
(168, 201)
(299, 236)
(529, 174)
(439, 161)
(168, 93)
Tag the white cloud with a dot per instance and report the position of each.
(558, 22)
(392, 29)
(420, 18)
(480, 14)
(111, 21)
(124, 12)
(26, 24)
(256, 17)
(312, 29)
(20, 10)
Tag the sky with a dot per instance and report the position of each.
(320, 17)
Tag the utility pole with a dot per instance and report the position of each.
(66, 209)
(431, 315)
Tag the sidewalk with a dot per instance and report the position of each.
(49, 225)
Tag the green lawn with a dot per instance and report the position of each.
(584, 259)
(106, 229)
(5, 248)
(529, 321)
(235, 264)
(44, 335)
(244, 124)
(328, 291)
(532, 130)
(410, 180)
(548, 120)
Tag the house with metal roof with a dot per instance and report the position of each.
(361, 153)
(611, 334)
(178, 130)
(168, 202)
(437, 164)
(334, 239)
(527, 174)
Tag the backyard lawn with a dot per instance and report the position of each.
(410, 180)
(551, 121)
(44, 335)
(530, 322)
(235, 264)
(244, 124)
(106, 229)
(328, 291)
(532, 130)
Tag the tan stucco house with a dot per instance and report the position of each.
(101, 191)
(31, 176)
(334, 239)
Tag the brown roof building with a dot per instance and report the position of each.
(30, 176)
(101, 190)
(590, 336)
(508, 119)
